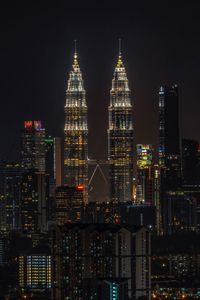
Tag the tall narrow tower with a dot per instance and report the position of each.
(120, 136)
(76, 131)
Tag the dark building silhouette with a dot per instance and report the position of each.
(169, 137)
(190, 162)
(69, 204)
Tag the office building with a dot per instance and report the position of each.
(190, 162)
(33, 146)
(10, 196)
(120, 136)
(76, 131)
(34, 199)
(145, 174)
(69, 204)
(169, 137)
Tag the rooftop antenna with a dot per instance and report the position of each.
(120, 44)
(75, 47)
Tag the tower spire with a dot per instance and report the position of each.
(75, 52)
(120, 62)
(120, 42)
(75, 62)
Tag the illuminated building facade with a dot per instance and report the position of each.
(35, 271)
(96, 251)
(33, 146)
(69, 201)
(145, 174)
(120, 137)
(169, 136)
(76, 131)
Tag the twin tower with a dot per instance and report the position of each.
(120, 134)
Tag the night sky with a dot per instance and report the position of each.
(160, 45)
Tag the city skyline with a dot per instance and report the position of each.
(45, 55)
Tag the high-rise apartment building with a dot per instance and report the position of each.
(76, 131)
(33, 146)
(85, 252)
(120, 136)
(35, 271)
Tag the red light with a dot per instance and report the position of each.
(80, 187)
(28, 124)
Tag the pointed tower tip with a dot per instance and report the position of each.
(120, 62)
(75, 62)
(120, 43)
(75, 53)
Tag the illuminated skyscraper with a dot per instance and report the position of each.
(120, 136)
(145, 173)
(76, 131)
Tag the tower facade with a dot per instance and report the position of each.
(120, 136)
(169, 136)
(33, 146)
(76, 131)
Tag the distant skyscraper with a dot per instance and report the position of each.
(120, 136)
(76, 131)
(10, 196)
(34, 199)
(33, 146)
(169, 136)
(145, 173)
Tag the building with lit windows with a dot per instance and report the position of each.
(34, 199)
(83, 252)
(145, 174)
(33, 146)
(10, 196)
(76, 131)
(35, 271)
(69, 204)
(180, 212)
(120, 136)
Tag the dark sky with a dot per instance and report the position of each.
(160, 45)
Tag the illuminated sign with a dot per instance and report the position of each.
(30, 124)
